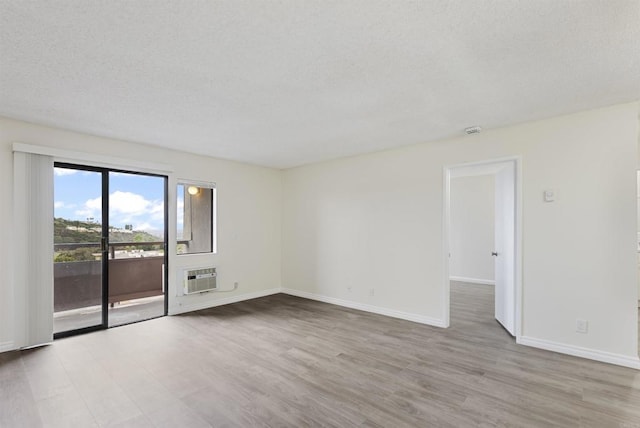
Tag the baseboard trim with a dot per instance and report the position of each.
(472, 280)
(577, 351)
(7, 346)
(367, 308)
(181, 309)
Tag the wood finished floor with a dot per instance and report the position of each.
(282, 361)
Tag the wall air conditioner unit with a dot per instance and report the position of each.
(200, 280)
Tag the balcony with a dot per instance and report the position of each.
(135, 285)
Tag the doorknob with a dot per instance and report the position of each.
(494, 254)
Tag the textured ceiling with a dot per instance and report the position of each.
(284, 83)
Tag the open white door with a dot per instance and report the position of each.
(504, 253)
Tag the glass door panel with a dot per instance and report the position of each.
(110, 235)
(77, 263)
(137, 238)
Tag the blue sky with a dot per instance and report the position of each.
(133, 199)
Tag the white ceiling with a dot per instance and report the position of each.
(289, 82)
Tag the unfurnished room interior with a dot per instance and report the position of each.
(302, 213)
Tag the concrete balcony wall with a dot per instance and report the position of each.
(78, 284)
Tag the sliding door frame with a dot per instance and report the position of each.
(104, 245)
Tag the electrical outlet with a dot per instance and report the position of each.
(372, 292)
(549, 196)
(349, 289)
(582, 326)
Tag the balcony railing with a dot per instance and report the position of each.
(78, 284)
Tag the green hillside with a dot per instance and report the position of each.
(78, 232)
(73, 232)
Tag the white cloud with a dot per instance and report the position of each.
(91, 208)
(157, 211)
(128, 203)
(64, 171)
(60, 204)
(127, 208)
(94, 204)
(143, 226)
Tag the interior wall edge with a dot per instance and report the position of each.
(577, 351)
(182, 309)
(421, 319)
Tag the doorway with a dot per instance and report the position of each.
(506, 243)
(110, 248)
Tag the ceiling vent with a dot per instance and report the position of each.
(472, 130)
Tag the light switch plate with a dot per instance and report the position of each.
(582, 326)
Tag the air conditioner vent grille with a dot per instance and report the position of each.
(200, 280)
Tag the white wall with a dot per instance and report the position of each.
(375, 222)
(638, 229)
(249, 216)
(472, 229)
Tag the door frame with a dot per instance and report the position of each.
(476, 168)
(105, 171)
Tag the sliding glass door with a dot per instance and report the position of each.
(78, 266)
(136, 247)
(110, 258)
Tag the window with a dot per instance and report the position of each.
(196, 228)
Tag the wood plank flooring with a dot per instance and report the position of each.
(282, 361)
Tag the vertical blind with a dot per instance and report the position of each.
(33, 252)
